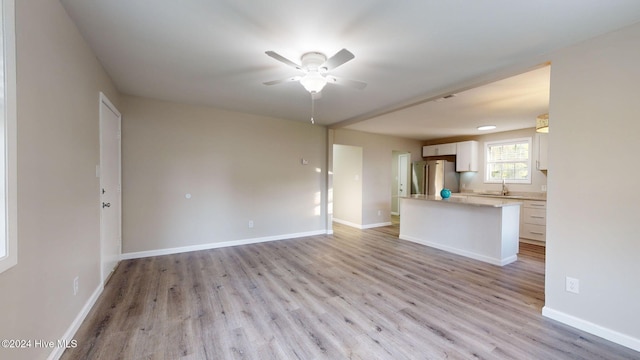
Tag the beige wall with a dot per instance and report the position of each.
(592, 227)
(58, 83)
(347, 184)
(237, 167)
(214, 155)
(377, 174)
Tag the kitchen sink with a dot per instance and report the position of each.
(498, 195)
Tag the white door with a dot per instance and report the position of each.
(403, 174)
(110, 198)
(404, 161)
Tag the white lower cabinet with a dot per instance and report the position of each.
(533, 220)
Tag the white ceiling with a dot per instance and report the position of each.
(211, 52)
(509, 104)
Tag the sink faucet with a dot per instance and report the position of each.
(505, 191)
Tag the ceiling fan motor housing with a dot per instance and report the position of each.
(312, 61)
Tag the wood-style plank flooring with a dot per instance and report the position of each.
(352, 295)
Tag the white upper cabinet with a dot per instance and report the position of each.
(467, 156)
(541, 154)
(439, 150)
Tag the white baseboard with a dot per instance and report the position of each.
(472, 255)
(182, 249)
(591, 328)
(75, 325)
(348, 223)
(359, 226)
(370, 226)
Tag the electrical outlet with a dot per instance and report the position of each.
(573, 285)
(250, 224)
(544, 187)
(76, 285)
(379, 212)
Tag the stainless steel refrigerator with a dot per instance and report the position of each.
(429, 177)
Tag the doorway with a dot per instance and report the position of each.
(347, 185)
(110, 188)
(400, 184)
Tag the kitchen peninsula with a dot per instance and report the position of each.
(485, 229)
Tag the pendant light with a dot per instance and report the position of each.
(542, 123)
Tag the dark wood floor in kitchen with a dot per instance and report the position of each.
(358, 294)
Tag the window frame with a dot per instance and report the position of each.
(487, 161)
(9, 238)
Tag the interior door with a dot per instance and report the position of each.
(404, 186)
(110, 189)
(403, 175)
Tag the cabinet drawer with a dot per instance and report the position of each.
(534, 232)
(533, 204)
(535, 216)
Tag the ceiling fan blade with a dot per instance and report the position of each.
(338, 59)
(346, 82)
(283, 59)
(290, 79)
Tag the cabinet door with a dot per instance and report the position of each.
(542, 143)
(438, 150)
(447, 149)
(467, 156)
(429, 150)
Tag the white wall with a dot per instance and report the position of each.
(377, 173)
(475, 180)
(593, 216)
(237, 167)
(347, 184)
(58, 83)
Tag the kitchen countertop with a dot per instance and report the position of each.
(512, 196)
(490, 232)
(485, 201)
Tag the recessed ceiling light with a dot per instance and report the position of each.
(486, 127)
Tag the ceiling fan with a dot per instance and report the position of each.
(315, 66)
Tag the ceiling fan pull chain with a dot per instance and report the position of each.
(313, 108)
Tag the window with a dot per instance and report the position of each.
(8, 211)
(509, 161)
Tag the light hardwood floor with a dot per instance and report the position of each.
(353, 295)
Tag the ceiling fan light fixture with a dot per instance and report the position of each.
(542, 123)
(313, 82)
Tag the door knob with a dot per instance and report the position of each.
(104, 205)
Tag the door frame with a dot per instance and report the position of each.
(104, 101)
(402, 157)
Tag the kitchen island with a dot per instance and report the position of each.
(485, 229)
